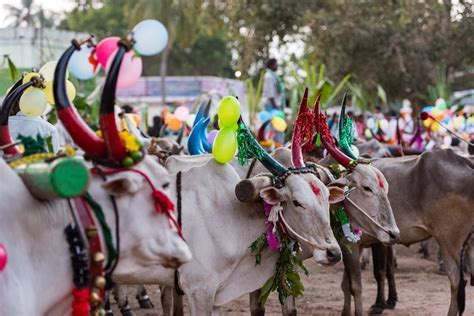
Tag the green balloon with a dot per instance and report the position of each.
(225, 145)
(228, 111)
(280, 114)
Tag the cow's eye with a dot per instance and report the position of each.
(166, 185)
(367, 189)
(297, 204)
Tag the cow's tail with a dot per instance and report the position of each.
(462, 283)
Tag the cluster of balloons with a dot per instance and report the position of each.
(176, 120)
(276, 116)
(440, 112)
(224, 143)
(150, 37)
(34, 101)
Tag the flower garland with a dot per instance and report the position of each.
(133, 146)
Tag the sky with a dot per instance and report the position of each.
(50, 5)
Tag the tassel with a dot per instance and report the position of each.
(80, 303)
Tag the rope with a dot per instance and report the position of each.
(177, 287)
(358, 208)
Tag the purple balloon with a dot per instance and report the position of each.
(210, 137)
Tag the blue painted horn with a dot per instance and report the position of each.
(195, 144)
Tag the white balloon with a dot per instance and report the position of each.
(150, 37)
(33, 102)
(80, 66)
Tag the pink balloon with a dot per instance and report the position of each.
(105, 48)
(3, 257)
(182, 113)
(211, 136)
(130, 70)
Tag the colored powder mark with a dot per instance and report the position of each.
(381, 185)
(315, 189)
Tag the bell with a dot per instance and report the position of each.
(95, 298)
(98, 257)
(91, 231)
(99, 282)
(99, 311)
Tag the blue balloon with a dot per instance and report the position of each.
(427, 108)
(274, 112)
(150, 36)
(264, 116)
(80, 65)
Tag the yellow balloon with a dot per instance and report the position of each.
(70, 90)
(33, 102)
(225, 145)
(48, 70)
(28, 77)
(435, 127)
(427, 122)
(48, 91)
(279, 124)
(234, 126)
(229, 111)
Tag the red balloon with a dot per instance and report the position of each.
(3, 257)
(105, 48)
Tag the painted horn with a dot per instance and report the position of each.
(195, 146)
(248, 143)
(107, 121)
(8, 103)
(261, 131)
(303, 127)
(80, 132)
(203, 111)
(326, 138)
(345, 134)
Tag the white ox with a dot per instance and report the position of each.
(37, 279)
(219, 230)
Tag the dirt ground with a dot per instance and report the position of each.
(421, 291)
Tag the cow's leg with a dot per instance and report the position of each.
(392, 290)
(470, 256)
(453, 268)
(352, 281)
(143, 298)
(178, 307)
(289, 308)
(256, 308)
(201, 301)
(364, 258)
(379, 260)
(120, 294)
(166, 300)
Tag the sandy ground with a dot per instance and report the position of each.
(421, 291)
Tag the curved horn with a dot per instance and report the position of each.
(345, 131)
(107, 121)
(195, 146)
(8, 103)
(326, 138)
(80, 132)
(302, 128)
(261, 131)
(203, 111)
(250, 148)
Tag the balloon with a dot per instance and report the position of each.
(228, 111)
(33, 102)
(48, 91)
(211, 136)
(264, 116)
(182, 113)
(280, 114)
(224, 145)
(234, 127)
(427, 122)
(435, 127)
(427, 108)
(384, 126)
(150, 37)
(80, 64)
(174, 123)
(190, 120)
(70, 90)
(105, 48)
(370, 123)
(279, 124)
(48, 70)
(441, 104)
(130, 70)
(3, 257)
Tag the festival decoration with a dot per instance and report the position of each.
(264, 116)
(277, 113)
(83, 64)
(346, 133)
(48, 91)
(173, 122)
(351, 236)
(48, 69)
(425, 116)
(150, 36)
(195, 144)
(228, 111)
(3, 257)
(182, 113)
(130, 69)
(225, 145)
(211, 136)
(33, 102)
(279, 124)
(302, 132)
(105, 48)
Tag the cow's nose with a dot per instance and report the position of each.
(394, 236)
(333, 254)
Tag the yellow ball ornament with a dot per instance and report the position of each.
(279, 124)
(33, 102)
(48, 70)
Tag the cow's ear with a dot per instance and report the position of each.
(340, 182)
(336, 194)
(272, 195)
(123, 183)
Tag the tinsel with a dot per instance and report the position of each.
(346, 138)
(303, 130)
(248, 146)
(324, 129)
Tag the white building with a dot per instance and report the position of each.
(30, 47)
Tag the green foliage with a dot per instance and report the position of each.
(258, 247)
(14, 75)
(363, 99)
(336, 227)
(440, 89)
(32, 145)
(254, 94)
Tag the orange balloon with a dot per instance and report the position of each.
(174, 123)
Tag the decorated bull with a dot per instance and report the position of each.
(128, 208)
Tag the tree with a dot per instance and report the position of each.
(28, 14)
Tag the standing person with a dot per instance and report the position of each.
(273, 93)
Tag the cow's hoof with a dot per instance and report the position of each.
(145, 303)
(376, 309)
(126, 311)
(391, 303)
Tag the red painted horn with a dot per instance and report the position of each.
(80, 132)
(326, 138)
(115, 147)
(302, 127)
(8, 103)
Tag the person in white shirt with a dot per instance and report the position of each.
(273, 92)
(20, 124)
